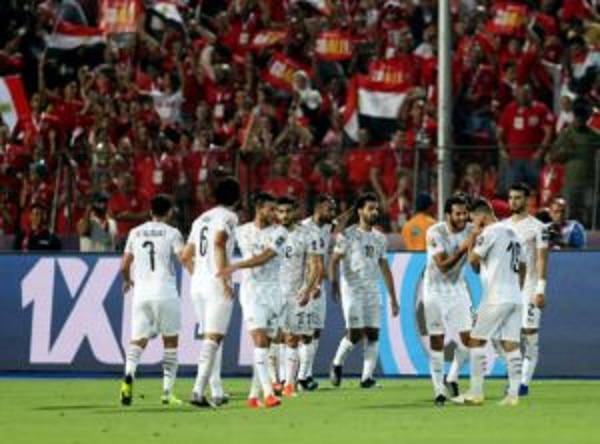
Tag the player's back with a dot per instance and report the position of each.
(203, 235)
(440, 239)
(501, 252)
(154, 246)
(533, 235)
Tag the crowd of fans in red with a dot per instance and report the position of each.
(173, 107)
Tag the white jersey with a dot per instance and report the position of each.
(299, 245)
(323, 234)
(203, 235)
(253, 241)
(361, 252)
(501, 255)
(440, 239)
(533, 235)
(154, 246)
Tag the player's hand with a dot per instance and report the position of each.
(127, 285)
(226, 272)
(395, 308)
(316, 293)
(228, 289)
(303, 297)
(539, 300)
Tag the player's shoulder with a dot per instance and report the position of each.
(437, 228)
(379, 235)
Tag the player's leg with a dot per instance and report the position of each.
(353, 317)
(142, 319)
(372, 322)
(530, 345)
(318, 320)
(435, 329)
(510, 336)
(261, 340)
(305, 349)
(219, 397)
(274, 361)
(292, 361)
(168, 324)
(459, 319)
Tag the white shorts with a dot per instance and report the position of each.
(150, 317)
(298, 320)
(213, 309)
(498, 321)
(532, 315)
(444, 314)
(261, 306)
(361, 308)
(319, 310)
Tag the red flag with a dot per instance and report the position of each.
(509, 19)
(334, 46)
(280, 71)
(266, 38)
(120, 16)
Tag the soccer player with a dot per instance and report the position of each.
(320, 224)
(496, 253)
(151, 248)
(261, 243)
(533, 234)
(361, 251)
(446, 299)
(299, 275)
(208, 250)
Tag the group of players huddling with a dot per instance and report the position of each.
(284, 264)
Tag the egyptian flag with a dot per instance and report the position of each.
(374, 100)
(280, 71)
(165, 13)
(509, 19)
(69, 36)
(333, 46)
(14, 106)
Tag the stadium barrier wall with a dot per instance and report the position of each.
(66, 314)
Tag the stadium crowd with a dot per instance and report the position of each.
(262, 89)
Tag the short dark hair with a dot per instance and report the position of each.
(287, 200)
(227, 191)
(324, 198)
(261, 198)
(423, 202)
(481, 205)
(364, 198)
(457, 199)
(160, 205)
(521, 187)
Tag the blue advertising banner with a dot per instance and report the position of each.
(66, 313)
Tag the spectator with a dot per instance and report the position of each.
(37, 237)
(564, 233)
(97, 229)
(129, 206)
(576, 147)
(414, 232)
(524, 133)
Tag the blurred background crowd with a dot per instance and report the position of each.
(106, 102)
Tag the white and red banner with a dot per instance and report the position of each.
(280, 71)
(266, 38)
(13, 101)
(68, 36)
(120, 16)
(333, 46)
(509, 19)
(322, 6)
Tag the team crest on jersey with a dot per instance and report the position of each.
(280, 240)
(480, 240)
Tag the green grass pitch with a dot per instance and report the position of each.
(75, 411)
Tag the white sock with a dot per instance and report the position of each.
(273, 363)
(255, 386)
(478, 366)
(344, 349)
(282, 360)
(133, 359)
(315, 347)
(215, 382)
(205, 364)
(261, 356)
(531, 350)
(371, 353)
(305, 352)
(436, 368)
(514, 364)
(461, 354)
(292, 361)
(169, 369)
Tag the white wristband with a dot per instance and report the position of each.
(540, 288)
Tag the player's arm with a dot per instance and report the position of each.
(126, 271)
(334, 270)
(186, 257)
(389, 283)
(253, 262)
(221, 238)
(312, 285)
(522, 274)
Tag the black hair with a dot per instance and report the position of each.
(227, 192)
(364, 198)
(261, 198)
(521, 187)
(324, 198)
(160, 205)
(481, 205)
(287, 200)
(457, 199)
